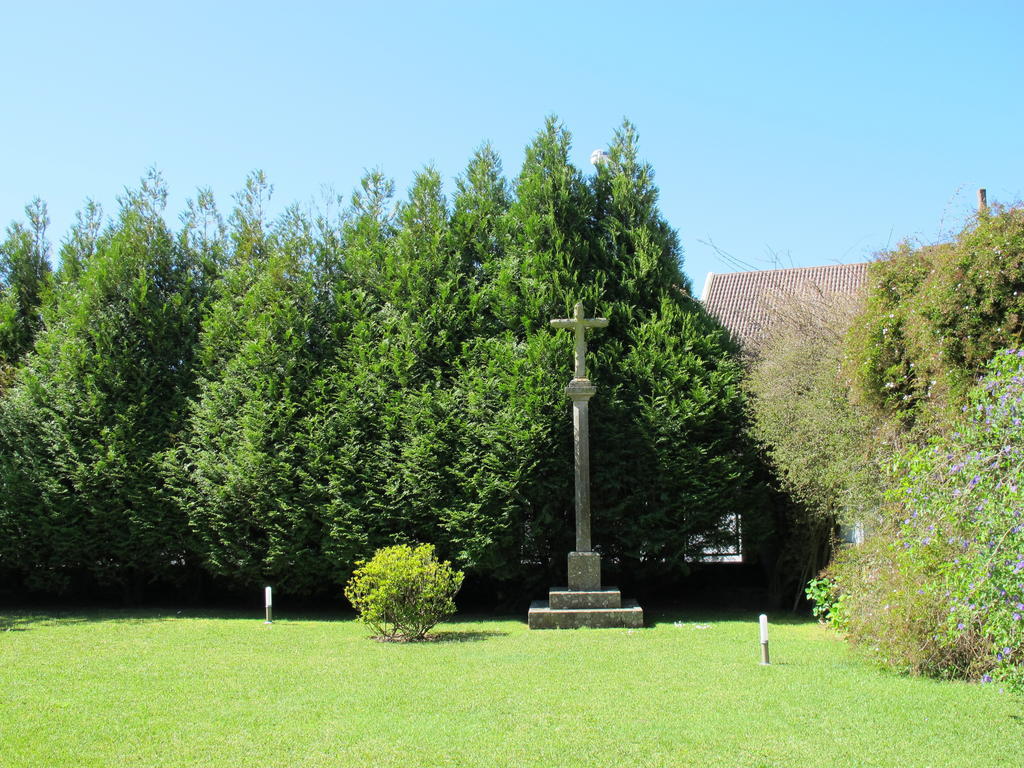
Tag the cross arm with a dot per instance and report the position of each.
(593, 322)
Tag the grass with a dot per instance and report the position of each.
(142, 689)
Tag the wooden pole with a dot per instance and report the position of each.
(982, 200)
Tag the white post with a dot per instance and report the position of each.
(764, 639)
(269, 601)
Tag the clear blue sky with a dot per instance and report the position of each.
(821, 132)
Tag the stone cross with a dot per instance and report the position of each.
(579, 324)
(584, 602)
(581, 390)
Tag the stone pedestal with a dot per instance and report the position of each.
(584, 603)
(543, 616)
(584, 570)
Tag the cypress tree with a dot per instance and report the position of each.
(24, 276)
(669, 461)
(243, 473)
(96, 404)
(80, 244)
(384, 376)
(669, 422)
(388, 394)
(480, 237)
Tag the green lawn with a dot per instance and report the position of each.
(141, 689)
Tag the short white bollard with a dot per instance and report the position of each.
(764, 639)
(269, 602)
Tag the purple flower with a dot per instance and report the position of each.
(986, 678)
(1016, 617)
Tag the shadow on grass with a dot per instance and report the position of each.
(20, 622)
(23, 620)
(690, 617)
(467, 636)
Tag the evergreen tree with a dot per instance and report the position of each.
(96, 404)
(24, 275)
(204, 234)
(368, 231)
(243, 473)
(387, 385)
(81, 243)
(384, 376)
(480, 237)
(670, 417)
(551, 257)
(669, 461)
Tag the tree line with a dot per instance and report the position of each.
(268, 401)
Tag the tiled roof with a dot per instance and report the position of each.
(747, 302)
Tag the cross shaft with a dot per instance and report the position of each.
(580, 390)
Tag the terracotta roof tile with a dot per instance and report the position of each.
(745, 302)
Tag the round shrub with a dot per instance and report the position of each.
(403, 591)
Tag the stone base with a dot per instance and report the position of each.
(584, 603)
(584, 570)
(560, 598)
(543, 616)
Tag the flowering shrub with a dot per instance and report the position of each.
(943, 593)
(936, 314)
